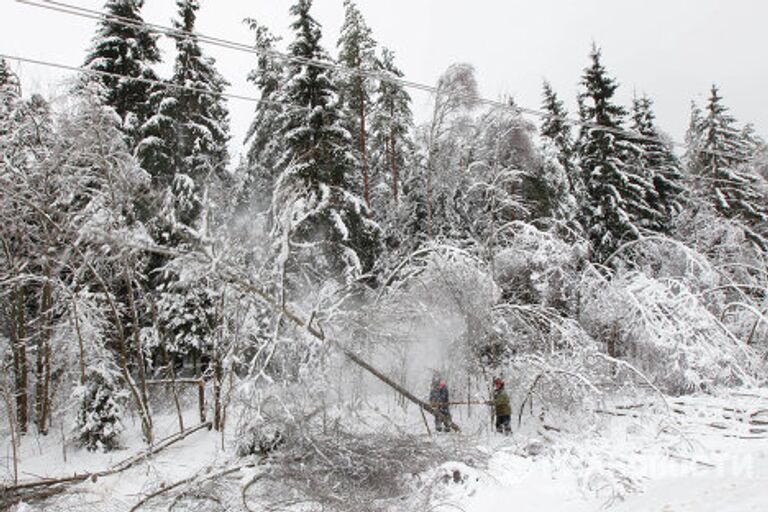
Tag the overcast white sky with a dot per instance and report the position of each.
(671, 49)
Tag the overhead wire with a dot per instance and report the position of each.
(150, 81)
(75, 10)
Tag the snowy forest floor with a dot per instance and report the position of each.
(690, 454)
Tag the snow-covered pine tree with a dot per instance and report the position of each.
(391, 126)
(99, 418)
(357, 51)
(719, 162)
(556, 132)
(314, 204)
(127, 50)
(264, 146)
(615, 209)
(660, 165)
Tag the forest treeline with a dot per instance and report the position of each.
(132, 242)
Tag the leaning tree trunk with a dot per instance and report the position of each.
(320, 335)
(140, 362)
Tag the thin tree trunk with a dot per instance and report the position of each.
(393, 166)
(12, 426)
(429, 196)
(172, 373)
(81, 344)
(469, 393)
(364, 153)
(140, 363)
(218, 376)
(16, 360)
(146, 422)
(201, 398)
(20, 350)
(43, 367)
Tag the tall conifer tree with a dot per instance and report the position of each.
(357, 51)
(185, 151)
(615, 208)
(127, 50)
(188, 134)
(660, 165)
(391, 127)
(314, 201)
(720, 159)
(557, 131)
(264, 148)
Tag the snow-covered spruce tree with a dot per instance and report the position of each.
(127, 51)
(757, 149)
(391, 126)
(189, 131)
(318, 218)
(551, 183)
(185, 149)
(357, 51)
(719, 162)
(412, 214)
(264, 146)
(660, 165)
(556, 132)
(615, 208)
(99, 417)
(545, 189)
(10, 92)
(692, 138)
(184, 300)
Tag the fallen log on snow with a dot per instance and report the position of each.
(50, 486)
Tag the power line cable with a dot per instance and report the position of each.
(233, 45)
(75, 10)
(167, 85)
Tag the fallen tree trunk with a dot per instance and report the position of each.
(244, 282)
(320, 335)
(407, 394)
(27, 490)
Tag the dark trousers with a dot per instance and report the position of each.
(443, 420)
(504, 424)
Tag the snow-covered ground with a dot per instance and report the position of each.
(704, 456)
(616, 477)
(699, 454)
